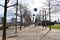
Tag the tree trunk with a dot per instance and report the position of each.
(4, 21)
(49, 15)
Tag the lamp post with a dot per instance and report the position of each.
(45, 18)
(35, 9)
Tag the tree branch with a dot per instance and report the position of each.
(1, 5)
(11, 5)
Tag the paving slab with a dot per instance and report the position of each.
(33, 33)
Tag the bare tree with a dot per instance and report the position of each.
(24, 13)
(50, 5)
(16, 15)
(4, 20)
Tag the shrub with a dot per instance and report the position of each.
(2, 27)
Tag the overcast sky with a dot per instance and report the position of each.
(31, 4)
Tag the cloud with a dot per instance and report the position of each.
(2, 2)
(31, 4)
(1, 11)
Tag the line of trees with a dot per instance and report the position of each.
(50, 8)
(24, 12)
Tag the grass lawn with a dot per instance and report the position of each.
(56, 26)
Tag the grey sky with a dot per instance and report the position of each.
(31, 4)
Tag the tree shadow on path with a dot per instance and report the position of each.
(44, 35)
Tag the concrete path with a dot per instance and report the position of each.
(38, 33)
(52, 35)
(32, 33)
(10, 34)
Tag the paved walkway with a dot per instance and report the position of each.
(10, 33)
(33, 33)
(38, 33)
(52, 35)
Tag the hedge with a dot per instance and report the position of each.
(2, 27)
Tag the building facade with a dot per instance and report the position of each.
(1, 18)
(13, 20)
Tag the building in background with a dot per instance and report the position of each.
(1, 20)
(13, 21)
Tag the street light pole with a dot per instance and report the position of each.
(45, 17)
(16, 15)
